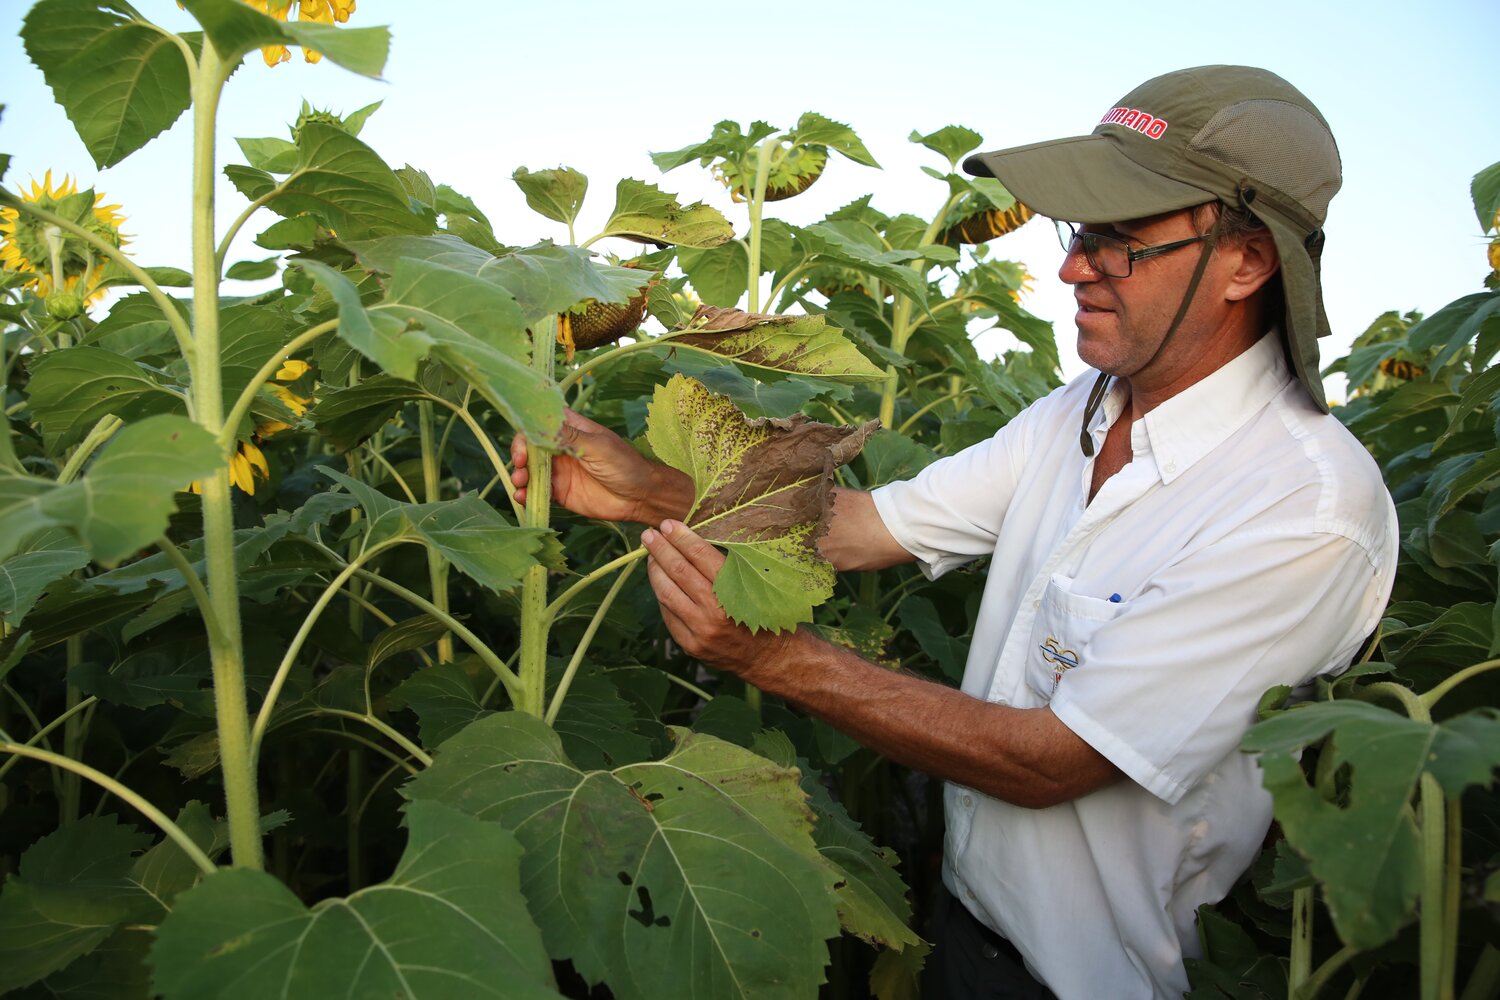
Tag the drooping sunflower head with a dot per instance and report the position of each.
(54, 259)
(320, 11)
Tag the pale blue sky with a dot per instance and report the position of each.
(474, 90)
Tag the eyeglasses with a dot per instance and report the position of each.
(1110, 255)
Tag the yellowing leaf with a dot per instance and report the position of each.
(761, 491)
(804, 345)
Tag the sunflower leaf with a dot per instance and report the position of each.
(624, 868)
(121, 504)
(235, 28)
(120, 80)
(950, 142)
(642, 212)
(71, 893)
(71, 389)
(556, 193)
(815, 130)
(762, 491)
(449, 923)
(803, 345)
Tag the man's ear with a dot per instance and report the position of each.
(1258, 262)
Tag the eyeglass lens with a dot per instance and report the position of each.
(1105, 254)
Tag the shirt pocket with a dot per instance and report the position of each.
(1065, 625)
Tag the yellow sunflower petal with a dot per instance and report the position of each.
(256, 459)
(239, 473)
(291, 370)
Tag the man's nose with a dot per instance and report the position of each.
(1075, 268)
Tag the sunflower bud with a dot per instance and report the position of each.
(63, 305)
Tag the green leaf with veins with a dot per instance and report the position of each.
(121, 81)
(122, 503)
(235, 28)
(349, 415)
(653, 876)
(273, 155)
(725, 142)
(71, 389)
(468, 532)
(801, 345)
(74, 888)
(717, 275)
(450, 922)
(444, 699)
(1367, 851)
(855, 245)
(42, 560)
(347, 187)
(645, 213)
(471, 325)
(556, 194)
(762, 491)
(951, 142)
(815, 130)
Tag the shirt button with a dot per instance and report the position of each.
(968, 802)
(1036, 604)
(1170, 467)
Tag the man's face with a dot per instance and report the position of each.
(1122, 321)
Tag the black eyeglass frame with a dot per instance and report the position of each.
(1069, 236)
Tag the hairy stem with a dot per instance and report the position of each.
(236, 759)
(607, 357)
(534, 622)
(594, 576)
(1326, 971)
(1431, 698)
(1302, 938)
(437, 566)
(757, 203)
(102, 432)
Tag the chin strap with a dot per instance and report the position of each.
(1101, 384)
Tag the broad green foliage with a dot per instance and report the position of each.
(802, 345)
(121, 504)
(450, 922)
(761, 491)
(366, 601)
(656, 877)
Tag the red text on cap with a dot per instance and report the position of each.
(1140, 121)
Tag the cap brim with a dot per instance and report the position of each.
(1084, 179)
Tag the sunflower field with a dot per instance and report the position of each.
(297, 698)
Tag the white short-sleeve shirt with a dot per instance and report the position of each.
(1250, 542)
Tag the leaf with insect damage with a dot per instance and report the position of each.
(762, 491)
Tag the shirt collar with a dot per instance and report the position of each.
(1198, 419)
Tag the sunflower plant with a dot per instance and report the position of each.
(282, 658)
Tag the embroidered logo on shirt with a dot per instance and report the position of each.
(1061, 659)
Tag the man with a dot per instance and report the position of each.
(1170, 538)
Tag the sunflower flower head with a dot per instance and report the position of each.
(319, 11)
(246, 466)
(281, 386)
(56, 261)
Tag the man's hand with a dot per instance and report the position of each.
(682, 568)
(600, 475)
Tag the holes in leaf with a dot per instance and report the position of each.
(647, 913)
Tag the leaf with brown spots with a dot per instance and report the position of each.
(800, 345)
(762, 491)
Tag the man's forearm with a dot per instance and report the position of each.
(1024, 756)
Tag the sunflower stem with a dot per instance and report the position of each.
(901, 323)
(226, 650)
(535, 624)
(757, 203)
(582, 648)
(437, 566)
